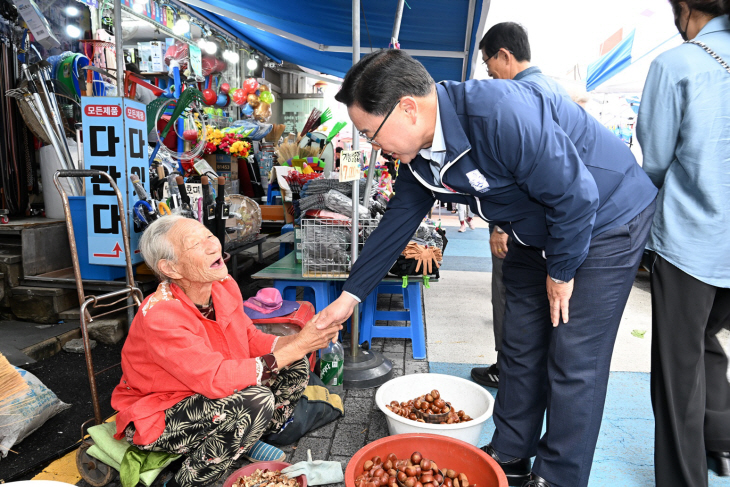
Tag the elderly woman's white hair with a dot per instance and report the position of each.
(155, 246)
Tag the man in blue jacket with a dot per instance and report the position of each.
(575, 202)
(506, 52)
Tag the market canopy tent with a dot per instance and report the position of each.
(624, 68)
(441, 35)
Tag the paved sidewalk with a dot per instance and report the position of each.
(461, 302)
(457, 310)
(340, 440)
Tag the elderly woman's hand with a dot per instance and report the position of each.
(313, 338)
(291, 348)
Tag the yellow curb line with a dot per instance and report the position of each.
(64, 469)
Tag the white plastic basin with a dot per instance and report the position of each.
(464, 395)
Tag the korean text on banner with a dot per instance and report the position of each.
(116, 131)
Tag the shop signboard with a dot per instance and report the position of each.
(115, 135)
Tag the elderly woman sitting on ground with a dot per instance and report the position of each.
(198, 378)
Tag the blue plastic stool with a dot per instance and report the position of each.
(318, 293)
(271, 195)
(286, 247)
(413, 314)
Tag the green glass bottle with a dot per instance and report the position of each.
(332, 367)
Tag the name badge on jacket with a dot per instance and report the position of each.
(478, 181)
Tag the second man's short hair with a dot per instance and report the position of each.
(508, 35)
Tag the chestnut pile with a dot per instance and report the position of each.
(415, 471)
(428, 404)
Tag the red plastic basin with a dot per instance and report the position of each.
(447, 452)
(250, 469)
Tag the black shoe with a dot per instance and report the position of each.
(486, 376)
(536, 481)
(719, 462)
(516, 470)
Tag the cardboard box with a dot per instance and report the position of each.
(37, 23)
(224, 165)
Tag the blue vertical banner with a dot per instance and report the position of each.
(135, 130)
(115, 141)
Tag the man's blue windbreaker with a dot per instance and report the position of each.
(525, 158)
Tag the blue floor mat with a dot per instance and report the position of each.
(625, 451)
(468, 251)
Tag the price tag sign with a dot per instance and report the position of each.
(196, 60)
(349, 165)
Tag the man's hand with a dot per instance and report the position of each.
(312, 338)
(498, 244)
(336, 313)
(559, 297)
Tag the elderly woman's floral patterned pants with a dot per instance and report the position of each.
(212, 434)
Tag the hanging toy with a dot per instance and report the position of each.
(223, 100)
(239, 97)
(190, 134)
(253, 100)
(225, 88)
(262, 113)
(251, 85)
(209, 95)
(266, 97)
(247, 110)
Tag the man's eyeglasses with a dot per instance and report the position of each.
(484, 61)
(371, 140)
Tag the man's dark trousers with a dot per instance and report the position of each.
(562, 370)
(690, 393)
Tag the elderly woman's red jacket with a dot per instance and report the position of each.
(172, 352)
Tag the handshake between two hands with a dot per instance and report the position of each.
(334, 315)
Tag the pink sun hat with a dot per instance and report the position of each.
(268, 303)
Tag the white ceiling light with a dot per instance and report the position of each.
(252, 64)
(73, 31)
(231, 56)
(72, 11)
(138, 7)
(211, 47)
(181, 27)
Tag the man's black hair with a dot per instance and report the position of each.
(382, 78)
(508, 35)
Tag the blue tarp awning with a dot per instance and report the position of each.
(611, 63)
(442, 35)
